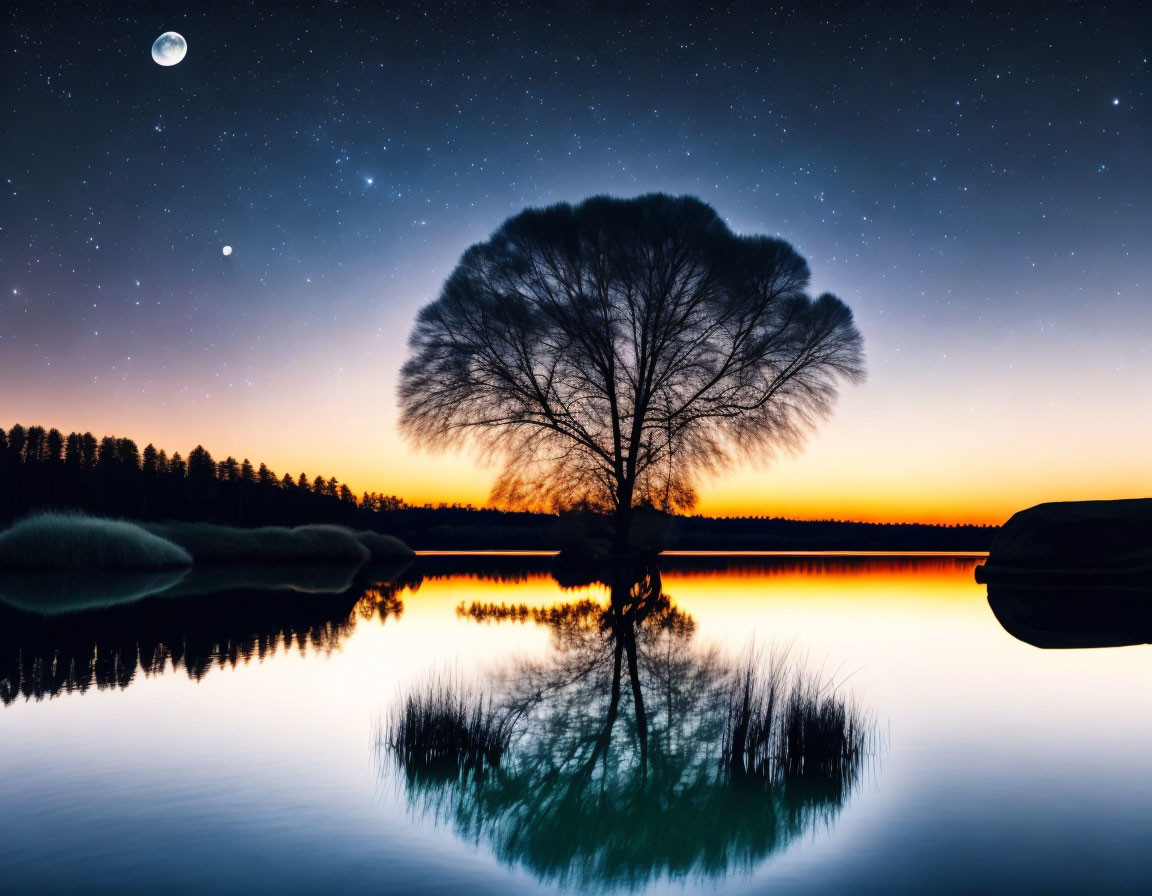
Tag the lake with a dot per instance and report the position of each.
(230, 735)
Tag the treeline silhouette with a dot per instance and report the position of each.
(462, 528)
(703, 533)
(43, 469)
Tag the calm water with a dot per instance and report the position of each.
(223, 736)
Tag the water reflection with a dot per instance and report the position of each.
(630, 754)
(212, 617)
(1073, 617)
(51, 592)
(512, 568)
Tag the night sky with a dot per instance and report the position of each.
(973, 179)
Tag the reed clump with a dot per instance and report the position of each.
(786, 724)
(446, 729)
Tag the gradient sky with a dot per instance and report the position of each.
(973, 179)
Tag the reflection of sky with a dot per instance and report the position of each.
(1004, 760)
(972, 183)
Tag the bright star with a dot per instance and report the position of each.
(1115, 101)
(369, 181)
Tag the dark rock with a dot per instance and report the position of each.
(1096, 542)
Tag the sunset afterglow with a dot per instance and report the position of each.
(981, 212)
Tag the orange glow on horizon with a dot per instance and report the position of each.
(853, 469)
(728, 591)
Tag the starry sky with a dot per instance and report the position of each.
(972, 178)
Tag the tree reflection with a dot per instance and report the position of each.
(216, 618)
(630, 753)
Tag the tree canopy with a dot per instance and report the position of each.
(612, 353)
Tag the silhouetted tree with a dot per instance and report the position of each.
(200, 464)
(614, 352)
(54, 444)
(88, 450)
(16, 439)
(127, 454)
(107, 452)
(148, 461)
(228, 470)
(247, 474)
(73, 456)
(34, 444)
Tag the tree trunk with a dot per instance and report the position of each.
(605, 738)
(622, 518)
(637, 697)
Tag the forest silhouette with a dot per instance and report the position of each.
(41, 469)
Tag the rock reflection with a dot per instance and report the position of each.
(1076, 617)
(630, 754)
(218, 617)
